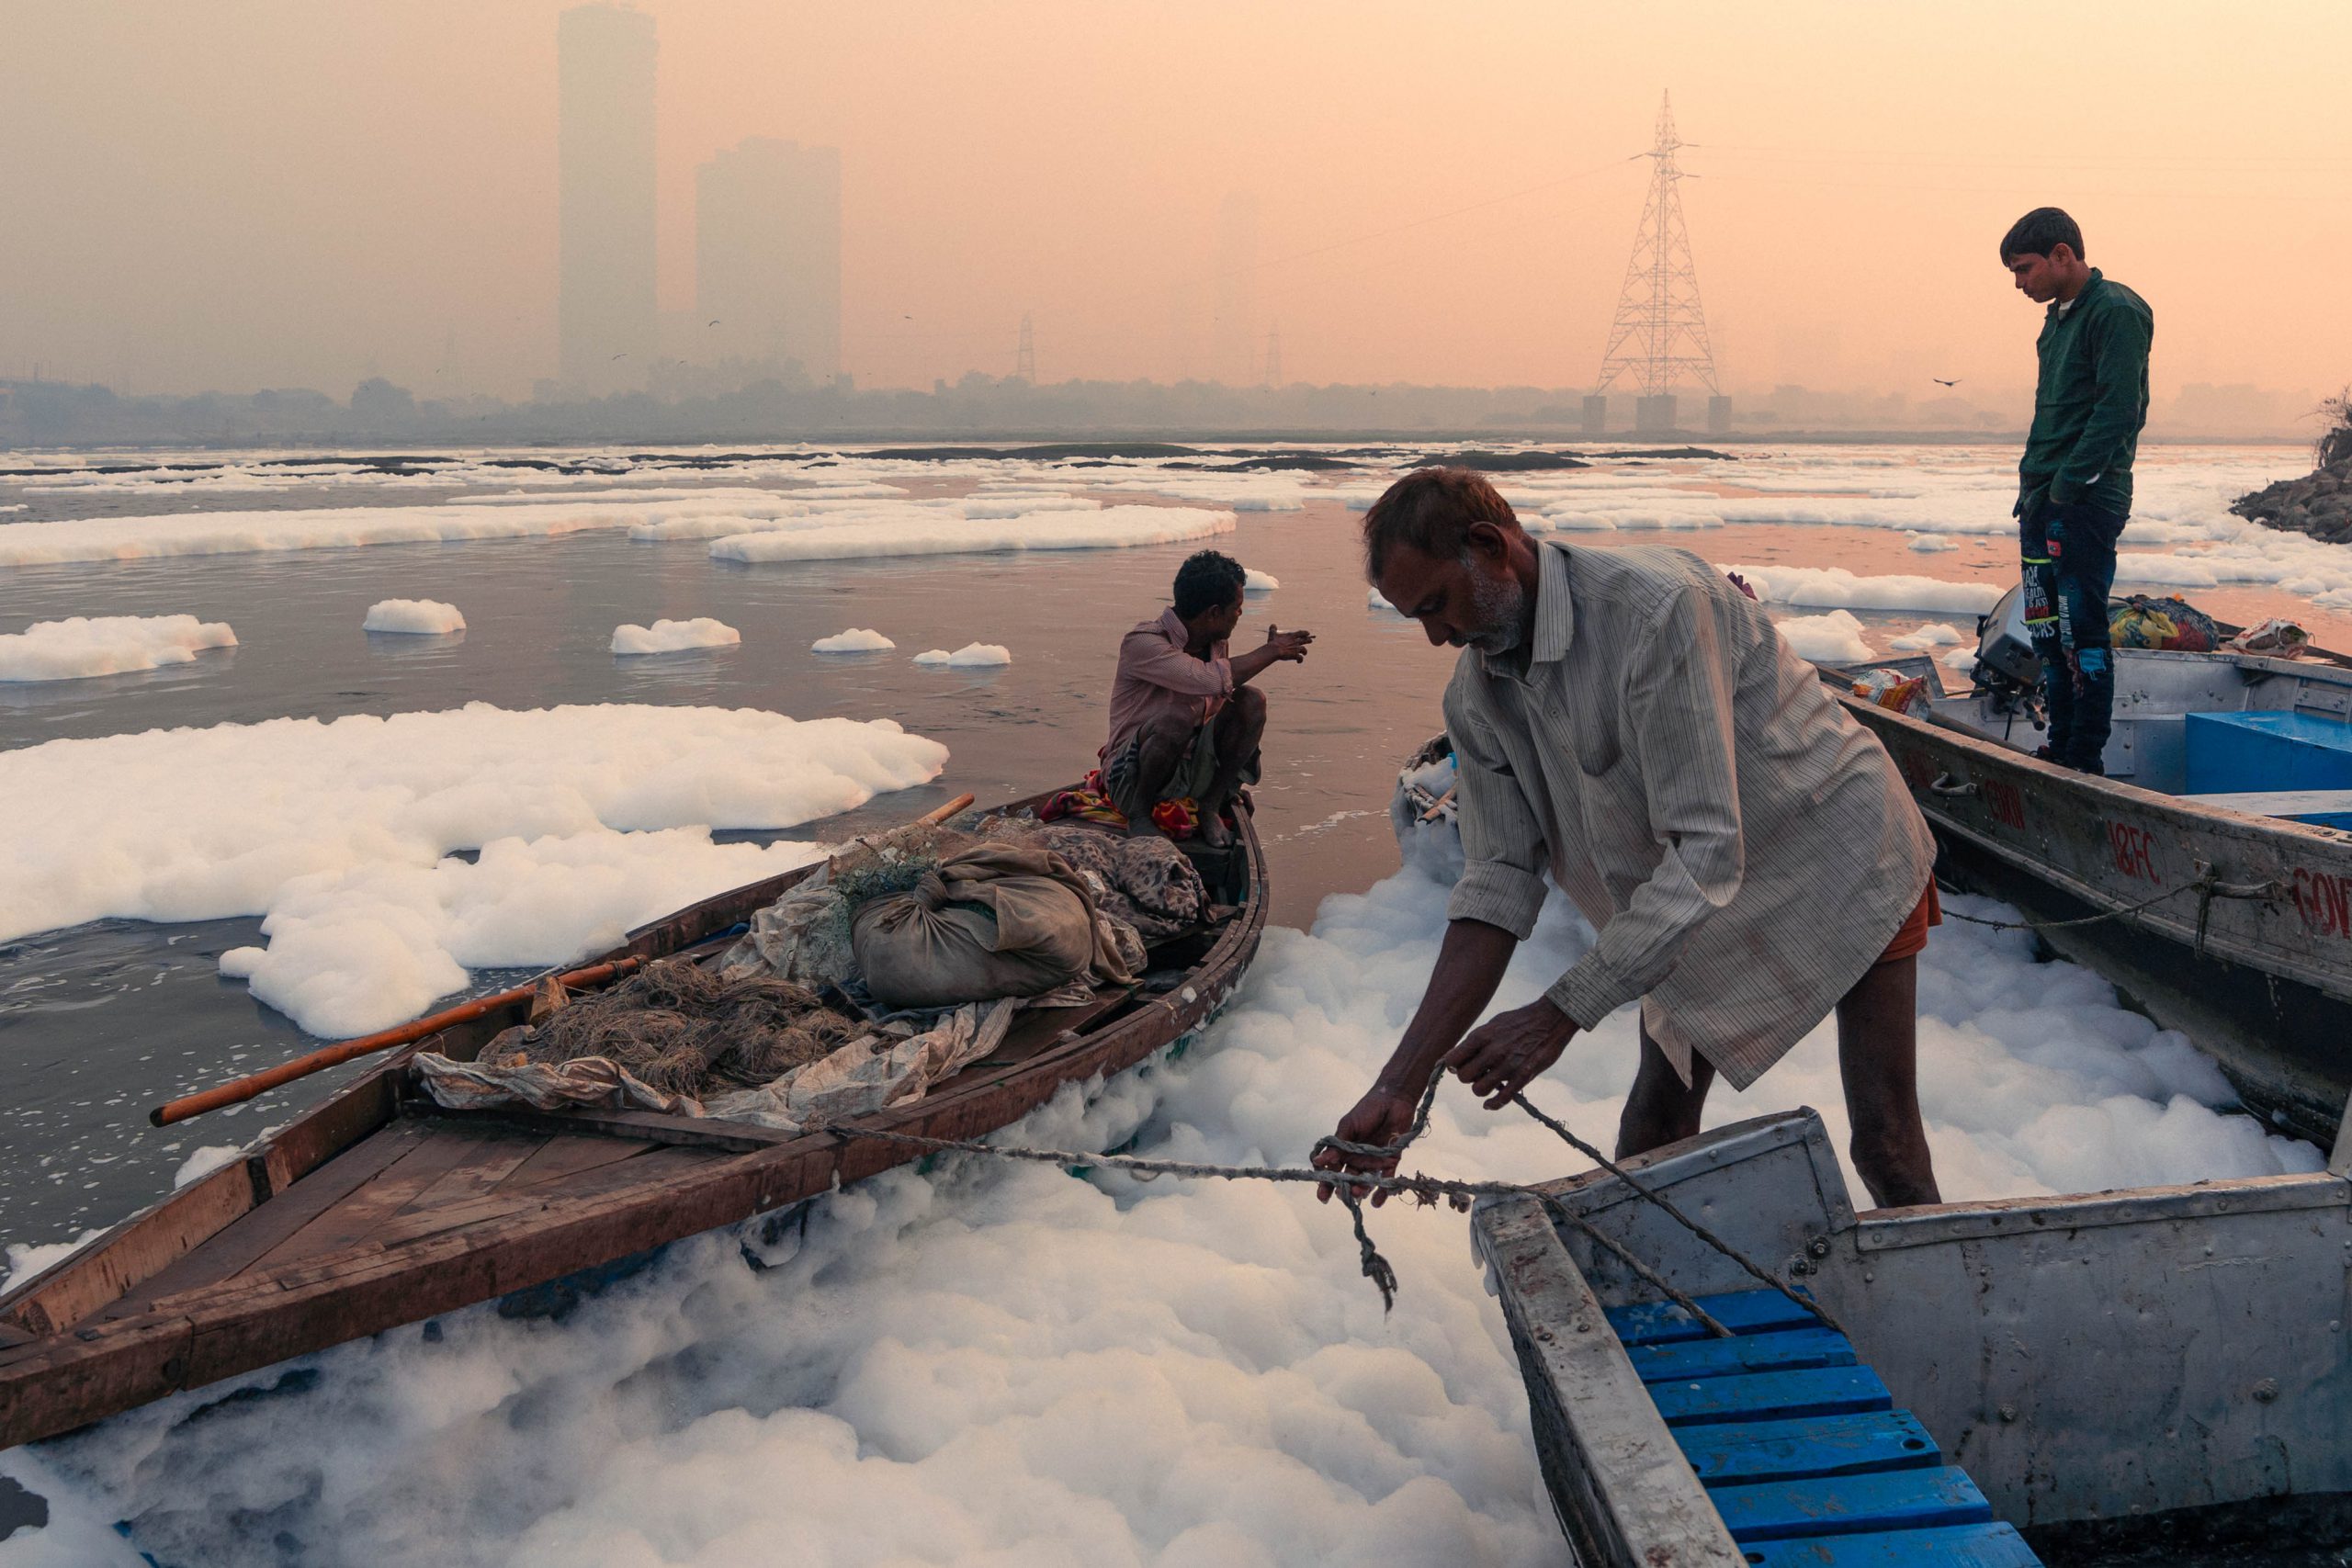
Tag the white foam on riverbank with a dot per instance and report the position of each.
(82, 646)
(857, 639)
(1259, 583)
(925, 532)
(673, 637)
(338, 834)
(418, 617)
(998, 1363)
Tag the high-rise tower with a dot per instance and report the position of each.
(605, 305)
(1024, 356)
(768, 254)
(1659, 334)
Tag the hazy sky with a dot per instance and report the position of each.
(245, 193)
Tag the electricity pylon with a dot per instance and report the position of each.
(1024, 358)
(1660, 332)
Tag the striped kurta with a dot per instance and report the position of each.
(1745, 848)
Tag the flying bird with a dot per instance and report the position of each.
(1942, 382)
(622, 354)
(712, 322)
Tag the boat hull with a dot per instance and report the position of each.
(379, 1207)
(2262, 982)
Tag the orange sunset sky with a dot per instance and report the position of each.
(247, 193)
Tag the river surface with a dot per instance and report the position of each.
(99, 1022)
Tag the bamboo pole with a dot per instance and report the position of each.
(319, 1061)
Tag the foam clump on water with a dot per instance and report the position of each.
(673, 637)
(1260, 582)
(83, 645)
(857, 639)
(1833, 638)
(1930, 634)
(923, 532)
(420, 618)
(996, 1363)
(1835, 586)
(971, 656)
(588, 821)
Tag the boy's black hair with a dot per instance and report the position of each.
(2041, 231)
(1208, 580)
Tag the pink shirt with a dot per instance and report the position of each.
(1157, 676)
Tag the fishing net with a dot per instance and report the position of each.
(685, 1029)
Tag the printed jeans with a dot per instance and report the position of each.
(2067, 554)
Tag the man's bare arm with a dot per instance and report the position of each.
(1279, 646)
(1470, 964)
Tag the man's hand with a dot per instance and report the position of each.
(1380, 1118)
(1502, 1055)
(1289, 648)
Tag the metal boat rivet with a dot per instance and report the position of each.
(2265, 1390)
(1818, 1247)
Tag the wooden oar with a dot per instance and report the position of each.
(319, 1061)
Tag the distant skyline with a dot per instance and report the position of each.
(280, 194)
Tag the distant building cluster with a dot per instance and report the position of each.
(767, 238)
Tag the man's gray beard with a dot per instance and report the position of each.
(1499, 604)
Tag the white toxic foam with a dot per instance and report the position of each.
(995, 1363)
(857, 639)
(340, 834)
(1373, 601)
(1932, 543)
(83, 645)
(673, 637)
(420, 616)
(1260, 582)
(1833, 585)
(1932, 634)
(971, 656)
(1833, 638)
(937, 533)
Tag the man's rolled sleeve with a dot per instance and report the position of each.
(1502, 882)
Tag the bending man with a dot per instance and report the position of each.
(1185, 722)
(1746, 852)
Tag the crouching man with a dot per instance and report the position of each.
(1746, 852)
(1185, 721)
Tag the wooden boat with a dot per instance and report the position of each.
(377, 1208)
(2225, 914)
(2227, 911)
(2129, 1375)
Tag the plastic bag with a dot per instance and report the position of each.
(1892, 689)
(803, 937)
(992, 920)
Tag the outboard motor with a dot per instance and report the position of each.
(2007, 670)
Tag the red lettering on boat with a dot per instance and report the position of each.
(2131, 847)
(2324, 900)
(2006, 801)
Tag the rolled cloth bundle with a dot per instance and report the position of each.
(992, 920)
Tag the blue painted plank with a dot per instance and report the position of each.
(1851, 1505)
(1792, 1350)
(1772, 1396)
(1733, 1453)
(1957, 1546)
(1742, 1311)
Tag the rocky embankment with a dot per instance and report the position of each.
(2320, 503)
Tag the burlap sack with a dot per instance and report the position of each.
(993, 920)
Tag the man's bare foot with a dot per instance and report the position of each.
(1214, 832)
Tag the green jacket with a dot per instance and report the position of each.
(2091, 399)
